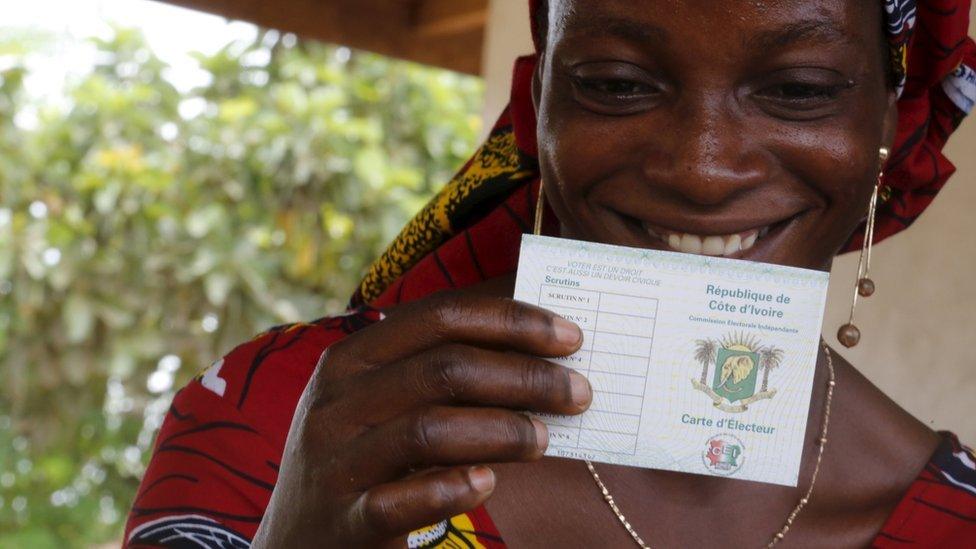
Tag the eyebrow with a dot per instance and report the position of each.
(799, 31)
(604, 25)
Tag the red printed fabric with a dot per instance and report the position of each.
(938, 91)
(939, 510)
(216, 456)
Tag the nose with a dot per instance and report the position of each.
(707, 158)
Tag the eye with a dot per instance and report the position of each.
(612, 88)
(804, 93)
(801, 93)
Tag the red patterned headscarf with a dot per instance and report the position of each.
(934, 64)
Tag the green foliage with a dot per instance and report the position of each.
(145, 232)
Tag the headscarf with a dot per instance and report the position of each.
(934, 66)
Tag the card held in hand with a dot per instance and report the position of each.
(698, 364)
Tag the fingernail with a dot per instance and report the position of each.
(580, 389)
(541, 434)
(567, 332)
(482, 479)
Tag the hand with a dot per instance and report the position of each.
(390, 431)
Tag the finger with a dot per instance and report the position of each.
(398, 508)
(438, 436)
(453, 317)
(465, 375)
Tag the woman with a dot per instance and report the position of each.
(654, 124)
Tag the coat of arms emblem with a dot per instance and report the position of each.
(735, 362)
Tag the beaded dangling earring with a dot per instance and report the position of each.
(848, 334)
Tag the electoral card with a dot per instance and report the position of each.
(698, 364)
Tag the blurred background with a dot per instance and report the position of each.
(173, 182)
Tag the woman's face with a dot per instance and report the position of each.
(743, 128)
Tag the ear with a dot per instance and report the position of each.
(890, 124)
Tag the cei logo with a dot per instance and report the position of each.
(723, 454)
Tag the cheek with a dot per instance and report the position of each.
(837, 161)
(576, 152)
(837, 166)
(574, 157)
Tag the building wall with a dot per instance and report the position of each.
(919, 329)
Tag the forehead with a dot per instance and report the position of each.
(755, 23)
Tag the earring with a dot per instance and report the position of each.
(540, 206)
(848, 334)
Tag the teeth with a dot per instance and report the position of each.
(749, 241)
(713, 245)
(690, 244)
(733, 244)
(708, 245)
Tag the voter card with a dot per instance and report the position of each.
(698, 364)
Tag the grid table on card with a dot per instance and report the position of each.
(618, 331)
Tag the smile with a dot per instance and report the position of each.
(715, 245)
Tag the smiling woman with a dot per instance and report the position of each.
(751, 130)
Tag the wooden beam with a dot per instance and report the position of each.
(440, 17)
(434, 34)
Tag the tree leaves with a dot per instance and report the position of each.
(138, 222)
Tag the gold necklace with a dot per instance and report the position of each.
(822, 443)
